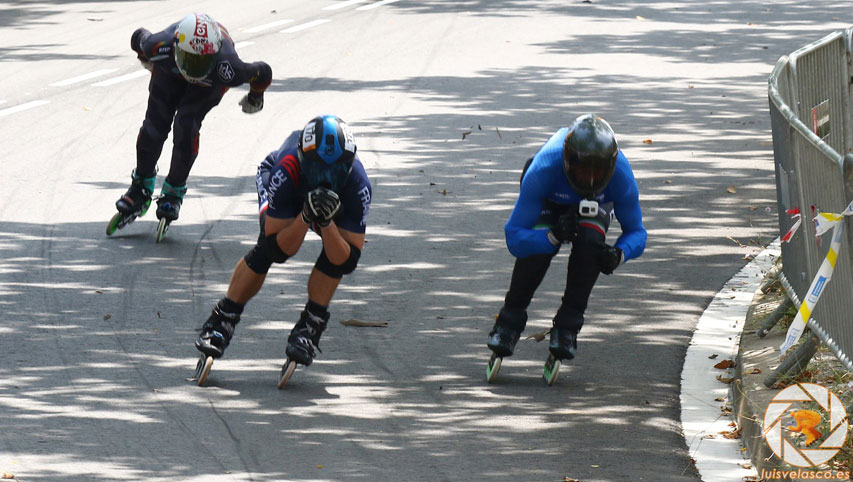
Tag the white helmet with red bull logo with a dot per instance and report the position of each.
(197, 43)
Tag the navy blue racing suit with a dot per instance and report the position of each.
(281, 194)
(173, 97)
(545, 195)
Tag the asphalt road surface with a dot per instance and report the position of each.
(447, 100)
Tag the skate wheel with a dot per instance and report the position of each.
(552, 368)
(202, 369)
(114, 223)
(145, 208)
(161, 229)
(286, 371)
(493, 368)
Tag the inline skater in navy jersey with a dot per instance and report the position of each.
(314, 181)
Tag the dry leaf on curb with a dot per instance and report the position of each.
(354, 322)
(725, 380)
(710, 435)
(746, 466)
(733, 434)
(731, 189)
(725, 364)
(539, 336)
(720, 399)
(755, 371)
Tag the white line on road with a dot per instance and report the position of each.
(377, 4)
(122, 78)
(81, 78)
(240, 45)
(269, 25)
(303, 26)
(19, 108)
(343, 4)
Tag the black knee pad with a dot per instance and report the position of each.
(338, 271)
(257, 259)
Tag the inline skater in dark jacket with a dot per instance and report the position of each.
(193, 64)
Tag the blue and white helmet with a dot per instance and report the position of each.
(326, 153)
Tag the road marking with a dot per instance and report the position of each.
(19, 108)
(122, 78)
(343, 4)
(269, 25)
(81, 78)
(240, 45)
(377, 4)
(303, 26)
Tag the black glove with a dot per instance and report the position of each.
(609, 257)
(321, 205)
(252, 102)
(565, 230)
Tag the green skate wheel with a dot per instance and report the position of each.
(112, 227)
(161, 229)
(286, 371)
(145, 209)
(552, 369)
(493, 368)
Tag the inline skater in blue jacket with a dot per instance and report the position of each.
(193, 64)
(313, 181)
(569, 192)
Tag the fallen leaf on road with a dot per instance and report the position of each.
(755, 371)
(539, 336)
(725, 380)
(720, 399)
(713, 356)
(667, 181)
(710, 435)
(647, 141)
(7, 475)
(465, 134)
(107, 316)
(354, 322)
(731, 189)
(569, 479)
(725, 364)
(746, 466)
(734, 434)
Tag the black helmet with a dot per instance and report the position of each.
(326, 152)
(589, 155)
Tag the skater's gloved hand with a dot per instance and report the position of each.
(609, 257)
(252, 102)
(146, 64)
(565, 230)
(321, 205)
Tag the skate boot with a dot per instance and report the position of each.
(216, 332)
(215, 336)
(563, 346)
(133, 204)
(169, 207)
(503, 337)
(564, 343)
(305, 337)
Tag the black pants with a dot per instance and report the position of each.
(173, 99)
(581, 275)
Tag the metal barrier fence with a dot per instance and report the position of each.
(810, 111)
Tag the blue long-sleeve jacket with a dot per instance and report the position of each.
(546, 179)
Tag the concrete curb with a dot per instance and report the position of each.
(704, 413)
